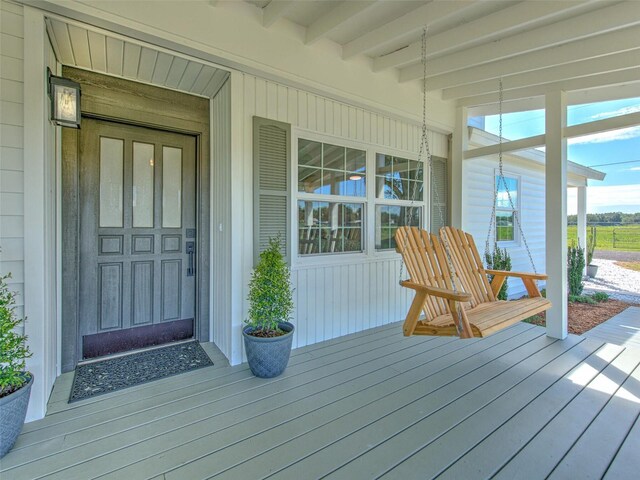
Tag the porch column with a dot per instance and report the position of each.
(459, 145)
(556, 212)
(582, 219)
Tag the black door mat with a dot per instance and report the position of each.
(113, 374)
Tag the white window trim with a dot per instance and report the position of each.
(518, 208)
(370, 253)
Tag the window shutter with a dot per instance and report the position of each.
(439, 202)
(271, 159)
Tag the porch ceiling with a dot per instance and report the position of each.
(80, 46)
(535, 46)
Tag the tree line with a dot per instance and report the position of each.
(609, 218)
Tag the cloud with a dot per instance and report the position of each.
(606, 197)
(603, 137)
(635, 169)
(616, 113)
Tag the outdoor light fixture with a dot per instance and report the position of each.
(355, 176)
(65, 101)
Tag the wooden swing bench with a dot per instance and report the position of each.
(474, 298)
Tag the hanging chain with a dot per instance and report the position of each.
(502, 181)
(424, 156)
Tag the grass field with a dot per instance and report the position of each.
(623, 238)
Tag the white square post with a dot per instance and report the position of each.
(459, 145)
(556, 212)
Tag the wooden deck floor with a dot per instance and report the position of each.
(622, 329)
(375, 404)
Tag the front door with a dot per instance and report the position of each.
(137, 233)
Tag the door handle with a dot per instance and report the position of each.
(191, 250)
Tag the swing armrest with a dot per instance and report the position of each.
(438, 292)
(523, 275)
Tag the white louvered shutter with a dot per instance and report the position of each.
(439, 201)
(271, 157)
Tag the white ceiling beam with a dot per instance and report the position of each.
(593, 81)
(486, 28)
(335, 17)
(591, 48)
(428, 14)
(274, 10)
(595, 95)
(583, 68)
(598, 126)
(511, 146)
(604, 125)
(603, 20)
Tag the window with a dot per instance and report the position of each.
(507, 207)
(330, 220)
(399, 197)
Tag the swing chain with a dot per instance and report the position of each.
(501, 180)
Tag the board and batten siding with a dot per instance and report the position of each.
(478, 191)
(346, 294)
(11, 148)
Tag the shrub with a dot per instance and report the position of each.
(13, 345)
(582, 299)
(600, 297)
(270, 293)
(499, 260)
(575, 265)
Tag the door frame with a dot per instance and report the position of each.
(123, 101)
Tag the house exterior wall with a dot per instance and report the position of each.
(335, 295)
(478, 190)
(11, 148)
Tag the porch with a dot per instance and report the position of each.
(516, 405)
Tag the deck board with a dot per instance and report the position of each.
(621, 329)
(360, 406)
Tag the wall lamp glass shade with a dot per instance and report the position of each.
(65, 101)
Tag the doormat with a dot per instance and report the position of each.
(113, 374)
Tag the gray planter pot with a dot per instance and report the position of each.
(13, 410)
(592, 270)
(268, 357)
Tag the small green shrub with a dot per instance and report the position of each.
(270, 293)
(13, 346)
(499, 260)
(600, 297)
(582, 299)
(575, 265)
(543, 292)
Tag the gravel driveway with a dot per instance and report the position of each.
(616, 255)
(620, 283)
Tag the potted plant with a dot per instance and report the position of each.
(15, 381)
(592, 269)
(268, 333)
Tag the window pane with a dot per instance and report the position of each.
(143, 163)
(416, 170)
(356, 160)
(503, 196)
(111, 181)
(332, 182)
(171, 187)
(309, 153)
(309, 180)
(389, 218)
(399, 178)
(333, 157)
(504, 226)
(355, 185)
(329, 227)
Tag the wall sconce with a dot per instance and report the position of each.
(65, 101)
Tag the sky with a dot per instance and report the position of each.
(616, 153)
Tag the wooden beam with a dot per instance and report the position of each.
(334, 18)
(583, 68)
(508, 146)
(488, 28)
(593, 81)
(603, 20)
(605, 125)
(459, 145)
(274, 10)
(431, 13)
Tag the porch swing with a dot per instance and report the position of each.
(451, 285)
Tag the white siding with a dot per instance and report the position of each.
(11, 152)
(331, 299)
(478, 185)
